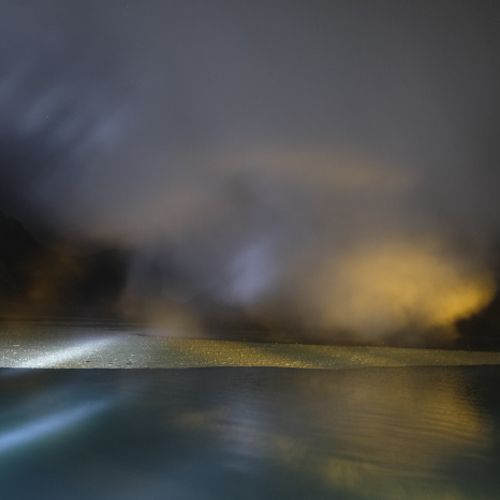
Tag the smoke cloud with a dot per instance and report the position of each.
(332, 162)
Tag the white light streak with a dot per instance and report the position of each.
(51, 424)
(66, 354)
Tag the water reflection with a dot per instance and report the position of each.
(258, 433)
(44, 426)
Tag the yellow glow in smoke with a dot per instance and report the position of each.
(388, 287)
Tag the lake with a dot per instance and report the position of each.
(250, 433)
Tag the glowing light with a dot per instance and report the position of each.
(252, 272)
(66, 354)
(389, 287)
(51, 424)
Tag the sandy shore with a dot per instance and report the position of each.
(127, 350)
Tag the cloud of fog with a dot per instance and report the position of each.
(334, 160)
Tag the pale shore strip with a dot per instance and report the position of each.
(125, 350)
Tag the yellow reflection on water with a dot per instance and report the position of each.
(385, 433)
(397, 435)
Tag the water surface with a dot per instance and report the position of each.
(250, 433)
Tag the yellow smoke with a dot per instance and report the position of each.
(388, 287)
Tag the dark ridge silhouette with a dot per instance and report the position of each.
(49, 279)
(482, 330)
(18, 249)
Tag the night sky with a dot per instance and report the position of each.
(336, 160)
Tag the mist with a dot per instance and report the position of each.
(326, 165)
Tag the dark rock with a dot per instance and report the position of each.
(48, 278)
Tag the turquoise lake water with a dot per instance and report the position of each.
(250, 433)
